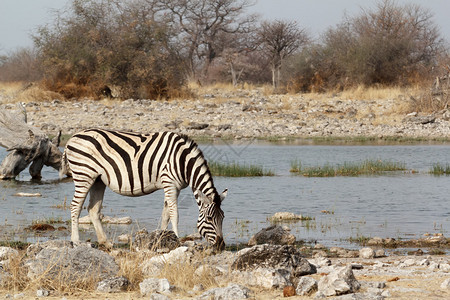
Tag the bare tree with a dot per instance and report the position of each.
(202, 23)
(278, 40)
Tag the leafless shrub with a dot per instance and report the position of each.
(387, 45)
(20, 65)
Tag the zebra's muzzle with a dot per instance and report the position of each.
(219, 244)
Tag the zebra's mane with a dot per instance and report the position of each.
(191, 142)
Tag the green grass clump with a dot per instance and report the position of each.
(236, 170)
(366, 167)
(438, 169)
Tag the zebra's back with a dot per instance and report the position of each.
(129, 163)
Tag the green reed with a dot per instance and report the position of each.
(237, 170)
(366, 167)
(438, 169)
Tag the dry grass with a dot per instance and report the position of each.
(13, 92)
(367, 93)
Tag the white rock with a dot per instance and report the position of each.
(267, 278)
(42, 293)
(152, 266)
(444, 267)
(6, 252)
(366, 253)
(341, 281)
(231, 292)
(408, 262)
(446, 284)
(154, 285)
(306, 286)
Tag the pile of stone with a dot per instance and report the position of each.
(265, 266)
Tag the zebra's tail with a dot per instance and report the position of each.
(64, 167)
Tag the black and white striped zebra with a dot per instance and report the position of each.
(134, 164)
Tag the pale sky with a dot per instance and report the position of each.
(20, 18)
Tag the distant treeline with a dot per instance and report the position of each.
(151, 48)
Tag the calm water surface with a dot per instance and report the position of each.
(399, 205)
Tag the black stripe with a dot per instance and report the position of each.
(105, 156)
(76, 163)
(126, 139)
(152, 158)
(142, 158)
(162, 158)
(124, 154)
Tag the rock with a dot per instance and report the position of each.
(339, 282)
(270, 256)
(124, 238)
(267, 278)
(272, 235)
(156, 240)
(288, 291)
(445, 285)
(42, 293)
(285, 216)
(77, 263)
(7, 252)
(113, 285)
(375, 241)
(152, 266)
(197, 126)
(306, 286)
(156, 296)
(34, 249)
(380, 253)
(366, 253)
(107, 220)
(155, 285)
(231, 292)
(21, 194)
(420, 119)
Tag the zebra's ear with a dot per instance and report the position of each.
(223, 195)
(202, 199)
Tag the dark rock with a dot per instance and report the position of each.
(157, 239)
(197, 126)
(273, 256)
(420, 119)
(272, 235)
(224, 127)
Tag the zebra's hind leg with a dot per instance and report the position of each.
(82, 188)
(95, 206)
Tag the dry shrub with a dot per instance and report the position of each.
(26, 92)
(183, 274)
(129, 264)
(18, 280)
(60, 281)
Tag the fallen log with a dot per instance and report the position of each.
(27, 146)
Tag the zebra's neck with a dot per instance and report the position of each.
(202, 180)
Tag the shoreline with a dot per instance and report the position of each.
(246, 114)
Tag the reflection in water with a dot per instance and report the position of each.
(400, 205)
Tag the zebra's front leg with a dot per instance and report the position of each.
(170, 210)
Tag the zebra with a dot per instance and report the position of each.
(134, 164)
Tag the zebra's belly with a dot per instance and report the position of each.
(137, 191)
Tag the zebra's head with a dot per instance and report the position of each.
(210, 218)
